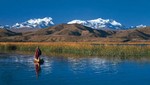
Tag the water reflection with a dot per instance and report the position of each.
(47, 66)
(37, 69)
(94, 65)
(77, 65)
(99, 65)
(44, 67)
(19, 69)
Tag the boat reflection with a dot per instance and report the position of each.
(37, 69)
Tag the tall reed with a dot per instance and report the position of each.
(80, 48)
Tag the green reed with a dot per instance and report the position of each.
(85, 49)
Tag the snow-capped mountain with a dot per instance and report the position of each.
(35, 23)
(138, 26)
(99, 23)
(1, 26)
(141, 26)
(32, 23)
(95, 24)
(5, 26)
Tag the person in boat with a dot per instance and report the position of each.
(37, 54)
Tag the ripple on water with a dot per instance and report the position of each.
(93, 65)
(77, 65)
(99, 65)
(20, 70)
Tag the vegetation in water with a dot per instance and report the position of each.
(80, 48)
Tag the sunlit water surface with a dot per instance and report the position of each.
(18, 69)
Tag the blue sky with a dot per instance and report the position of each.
(128, 12)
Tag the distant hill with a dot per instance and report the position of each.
(7, 33)
(75, 33)
(24, 29)
(67, 32)
(72, 30)
(133, 34)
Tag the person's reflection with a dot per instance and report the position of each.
(37, 69)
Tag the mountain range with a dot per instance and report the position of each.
(94, 24)
(98, 30)
(75, 33)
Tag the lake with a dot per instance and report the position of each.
(18, 69)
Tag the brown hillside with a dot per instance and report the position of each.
(134, 34)
(67, 32)
(76, 33)
(71, 30)
(5, 32)
(22, 30)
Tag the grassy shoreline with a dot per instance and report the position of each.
(113, 49)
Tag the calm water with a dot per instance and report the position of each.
(18, 69)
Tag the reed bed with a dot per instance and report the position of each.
(81, 48)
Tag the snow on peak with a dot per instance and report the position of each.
(1, 26)
(77, 21)
(138, 26)
(116, 23)
(35, 23)
(141, 26)
(99, 23)
(99, 20)
(5, 26)
(47, 20)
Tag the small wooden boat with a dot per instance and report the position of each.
(41, 61)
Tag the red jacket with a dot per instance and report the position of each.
(37, 53)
